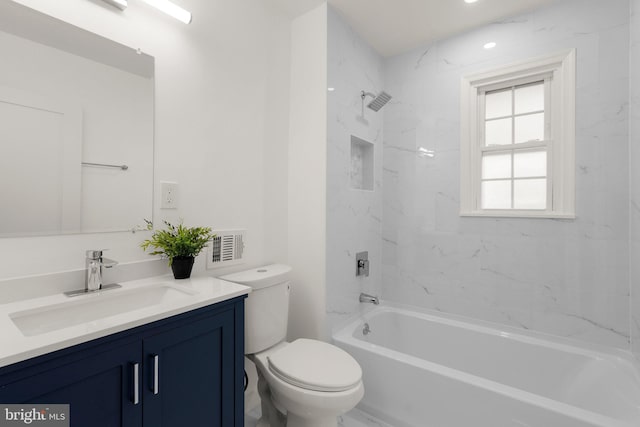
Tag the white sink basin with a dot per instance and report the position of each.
(96, 306)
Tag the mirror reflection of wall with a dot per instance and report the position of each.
(69, 99)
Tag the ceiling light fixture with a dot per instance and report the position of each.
(120, 4)
(490, 45)
(171, 9)
(165, 6)
(470, 1)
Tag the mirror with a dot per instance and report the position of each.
(76, 128)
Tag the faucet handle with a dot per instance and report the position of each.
(95, 253)
(108, 263)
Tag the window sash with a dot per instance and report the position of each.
(545, 145)
(512, 178)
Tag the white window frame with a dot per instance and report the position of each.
(559, 70)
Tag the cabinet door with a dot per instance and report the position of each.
(189, 374)
(98, 388)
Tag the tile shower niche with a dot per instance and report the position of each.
(361, 164)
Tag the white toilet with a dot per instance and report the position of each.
(305, 383)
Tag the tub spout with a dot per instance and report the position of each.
(369, 298)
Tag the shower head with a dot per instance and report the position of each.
(378, 101)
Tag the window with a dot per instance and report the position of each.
(518, 138)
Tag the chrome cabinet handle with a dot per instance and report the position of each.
(136, 383)
(156, 374)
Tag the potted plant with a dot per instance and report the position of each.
(178, 243)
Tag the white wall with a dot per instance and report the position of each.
(634, 174)
(307, 174)
(275, 155)
(354, 216)
(568, 278)
(215, 119)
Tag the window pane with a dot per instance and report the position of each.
(496, 166)
(498, 104)
(496, 195)
(530, 128)
(530, 194)
(498, 132)
(529, 98)
(529, 163)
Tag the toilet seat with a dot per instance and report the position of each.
(315, 365)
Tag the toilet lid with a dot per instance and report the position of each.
(315, 365)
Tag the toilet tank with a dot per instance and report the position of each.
(266, 307)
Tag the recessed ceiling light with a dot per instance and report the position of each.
(331, 89)
(470, 1)
(490, 45)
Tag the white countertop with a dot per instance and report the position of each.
(17, 347)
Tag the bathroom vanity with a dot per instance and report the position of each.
(175, 360)
(155, 352)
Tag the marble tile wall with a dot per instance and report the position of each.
(634, 174)
(354, 216)
(564, 277)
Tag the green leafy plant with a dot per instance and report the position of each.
(177, 241)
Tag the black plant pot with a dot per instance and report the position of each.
(181, 266)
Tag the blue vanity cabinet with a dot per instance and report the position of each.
(98, 386)
(190, 371)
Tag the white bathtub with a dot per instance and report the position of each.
(422, 370)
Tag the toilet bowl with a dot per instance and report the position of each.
(313, 390)
(305, 383)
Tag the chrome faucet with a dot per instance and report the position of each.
(93, 274)
(94, 263)
(369, 298)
